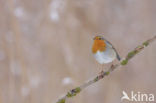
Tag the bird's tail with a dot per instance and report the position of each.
(118, 57)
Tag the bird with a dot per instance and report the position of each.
(103, 51)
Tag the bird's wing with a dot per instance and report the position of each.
(111, 46)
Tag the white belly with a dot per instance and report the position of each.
(105, 57)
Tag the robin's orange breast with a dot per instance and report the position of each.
(98, 45)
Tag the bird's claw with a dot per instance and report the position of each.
(101, 74)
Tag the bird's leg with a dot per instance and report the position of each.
(112, 66)
(101, 71)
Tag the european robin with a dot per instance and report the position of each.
(103, 50)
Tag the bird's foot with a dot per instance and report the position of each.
(101, 74)
(112, 66)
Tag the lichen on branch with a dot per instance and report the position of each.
(101, 75)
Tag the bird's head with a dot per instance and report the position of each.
(99, 44)
(98, 38)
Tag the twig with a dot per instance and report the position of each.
(123, 62)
